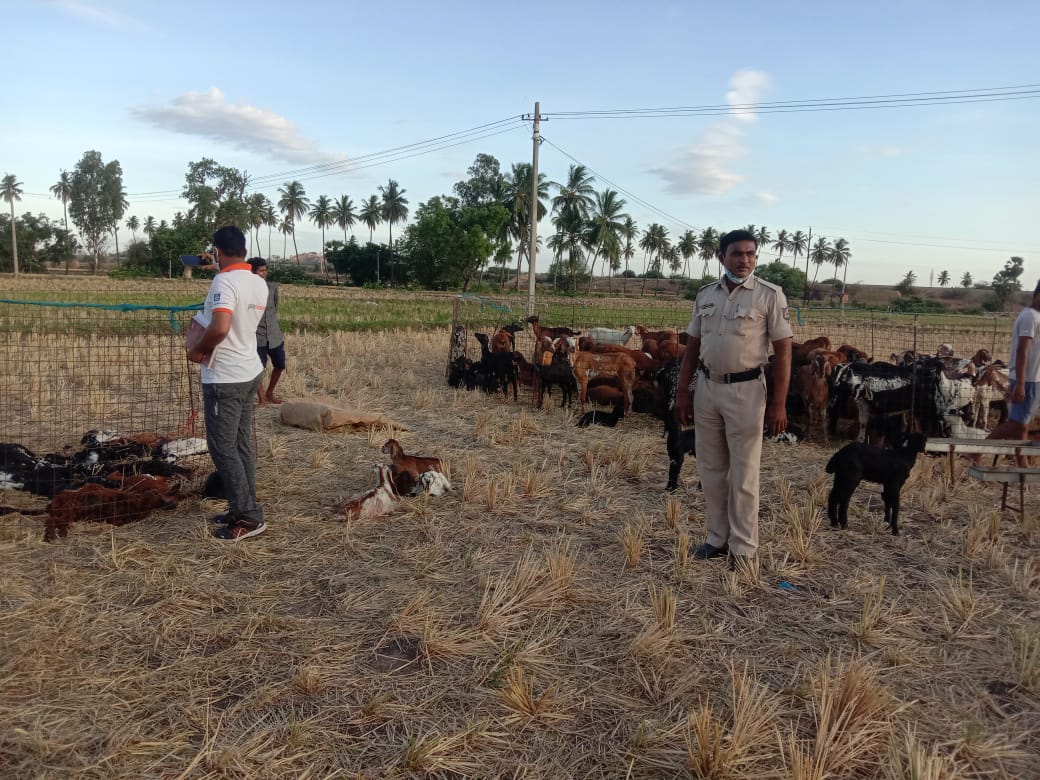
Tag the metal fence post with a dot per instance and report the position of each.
(993, 341)
(872, 348)
(915, 334)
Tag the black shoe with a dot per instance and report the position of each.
(240, 529)
(708, 551)
(223, 519)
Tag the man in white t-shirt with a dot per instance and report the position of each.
(231, 373)
(1024, 369)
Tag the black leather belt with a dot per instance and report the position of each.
(728, 379)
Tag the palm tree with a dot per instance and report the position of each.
(255, 217)
(517, 200)
(149, 227)
(654, 243)
(944, 278)
(123, 205)
(840, 255)
(270, 216)
(11, 190)
(62, 190)
(132, 225)
(285, 227)
(371, 214)
(762, 236)
(820, 254)
(577, 193)
(605, 223)
(966, 280)
(782, 244)
(628, 231)
(570, 238)
(797, 245)
(708, 247)
(321, 216)
(395, 209)
(343, 214)
(674, 258)
(293, 204)
(687, 247)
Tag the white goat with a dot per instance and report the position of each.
(432, 482)
(376, 502)
(611, 336)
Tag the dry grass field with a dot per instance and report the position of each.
(545, 620)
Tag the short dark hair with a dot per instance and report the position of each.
(231, 241)
(733, 237)
(257, 263)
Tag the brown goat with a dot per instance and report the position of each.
(800, 352)
(813, 385)
(646, 366)
(591, 364)
(656, 335)
(525, 372)
(552, 333)
(412, 465)
(97, 504)
(851, 354)
(502, 341)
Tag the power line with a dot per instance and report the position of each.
(897, 100)
(618, 187)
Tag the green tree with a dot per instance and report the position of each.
(790, 278)
(96, 203)
(321, 216)
(762, 236)
(62, 190)
(820, 254)
(343, 214)
(687, 246)
(37, 241)
(485, 183)
(255, 204)
(518, 188)
(395, 209)
(448, 243)
(293, 203)
(132, 225)
(708, 247)
(371, 214)
(799, 245)
(655, 245)
(629, 232)
(11, 190)
(270, 220)
(604, 227)
(966, 280)
(167, 244)
(1006, 282)
(944, 279)
(150, 227)
(906, 285)
(840, 256)
(782, 244)
(216, 194)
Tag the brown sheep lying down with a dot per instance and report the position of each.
(97, 504)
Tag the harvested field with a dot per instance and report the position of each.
(544, 620)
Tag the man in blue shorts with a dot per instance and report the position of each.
(1024, 368)
(269, 338)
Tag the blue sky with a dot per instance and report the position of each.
(276, 89)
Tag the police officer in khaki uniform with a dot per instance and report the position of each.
(734, 321)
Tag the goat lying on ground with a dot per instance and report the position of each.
(597, 417)
(407, 468)
(432, 482)
(856, 462)
(97, 504)
(375, 502)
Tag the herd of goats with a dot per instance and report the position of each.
(119, 479)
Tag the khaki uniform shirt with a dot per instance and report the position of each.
(736, 328)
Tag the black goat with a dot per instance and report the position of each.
(681, 441)
(597, 417)
(856, 462)
(497, 368)
(460, 372)
(560, 371)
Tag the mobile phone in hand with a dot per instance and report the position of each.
(192, 259)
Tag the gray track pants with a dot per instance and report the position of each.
(229, 435)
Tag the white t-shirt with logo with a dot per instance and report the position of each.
(241, 293)
(1027, 324)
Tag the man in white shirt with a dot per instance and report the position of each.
(231, 373)
(1024, 370)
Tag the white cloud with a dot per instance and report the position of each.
(762, 199)
(210, 115)
(705, 167)
(880, 151)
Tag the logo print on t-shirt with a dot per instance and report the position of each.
(216, 297)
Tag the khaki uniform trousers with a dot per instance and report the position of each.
(729, 422)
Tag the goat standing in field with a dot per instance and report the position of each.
(856, 462)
